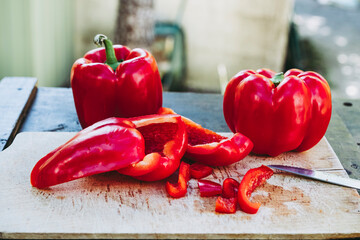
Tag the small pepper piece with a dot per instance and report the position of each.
(225, 205)
(208, 147)
(251, 180)
(199, 170)
(230, 188)
(209, 188)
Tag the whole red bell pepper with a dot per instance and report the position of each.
(278, 112)
(108, 145)
(115, 82)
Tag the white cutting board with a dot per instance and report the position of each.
(113, 206)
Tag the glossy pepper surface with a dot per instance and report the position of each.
(210, 148)
(278, 112)
(115, 81)
(105, 146)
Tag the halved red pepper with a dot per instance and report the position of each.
(105, 146)
(180, 188)
(115, 81)
(210, 148)
(165, 144)
(251, 180)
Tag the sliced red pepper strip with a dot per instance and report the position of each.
(251, 180)
(230, 188)
(180, 188)
(166, 136)
(185, 171)
(209, 188)
(210, 148)
(225, 205)
(105, 146)
(199, 170)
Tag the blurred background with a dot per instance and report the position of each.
(198, 44)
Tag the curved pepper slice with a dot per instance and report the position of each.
(179, 189)
(210, 148)
(251, 180)
(104, 146)
(165, 144)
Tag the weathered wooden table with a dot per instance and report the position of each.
(26, 108)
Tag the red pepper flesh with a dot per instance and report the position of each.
(133, 89)
(209, 188)
(108, 145)
(251, 180)
(225, 205)
(279, 113)
(165, 140)
(209, 148)
(199, 170)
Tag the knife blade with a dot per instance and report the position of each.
(318, 175)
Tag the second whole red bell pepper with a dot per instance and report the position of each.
(278, 112)
(115, 81)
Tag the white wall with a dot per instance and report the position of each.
(37, 40)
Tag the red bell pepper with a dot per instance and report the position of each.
(179, 189)
(279, 113)
(108, 145)
(199, 170)
(165, 144)
(209, 188)
(251, 180)
(210, 148)
(115, 82)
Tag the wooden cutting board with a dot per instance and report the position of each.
(110, 205)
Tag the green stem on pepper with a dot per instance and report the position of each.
(277, 78)
(111, 59)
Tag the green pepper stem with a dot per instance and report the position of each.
(277, 78)
(111, 59)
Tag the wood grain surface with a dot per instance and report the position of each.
(110, 205)
(17, 94)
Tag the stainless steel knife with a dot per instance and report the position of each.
(318, 175)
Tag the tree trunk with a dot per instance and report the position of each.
(135, 23)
